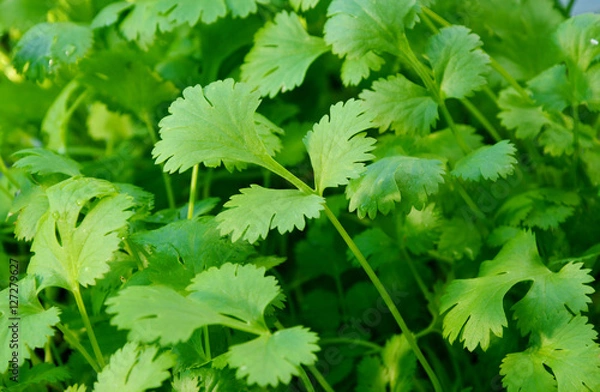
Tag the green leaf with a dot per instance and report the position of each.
(355, 28)
(402, 105)
(303, 5)
(392, 179)
(148, 312)
(70, 252)
(243, 8)
(240, 291)
(134, 369)
(459, 239)
(40, 375)
(578, 39)
(281, 55)
(31, 204)
(551, 88)
(191, 11)
(25, 325)
(475, 306)
(22, 14)
(487, 162)
(371, 375)
(56, 120)
(459, 65)
(521, 114)
(213, 125)
(336, 151)
(421, 229)
(47, 47)
(376, 246)
(356, 69)
(570, 352)
(274, 358)
(251, 214)
(44, 162)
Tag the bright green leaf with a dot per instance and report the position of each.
(336, 151)
(240, 291)
(134, 369)
(303, 5)
(487, 162)
(274, 358)
(459, 65)
(281, 55)
(392, 179)
(25, 325)
(56, 120)
(44, 162)
(31, 204)
(521, 114)
(69, 252)
(473, 319)
(402, 105)
(191, 11)
(213, 125)
(251, 214)
(356, 69)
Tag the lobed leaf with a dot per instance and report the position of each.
(400, 104)
(251, 214)
(391, 179)
(459, 65)
(44, 162)
(70, 252)
(487, 162)
(281, 55)
(274, 358)
(211, 125)
(336, 151)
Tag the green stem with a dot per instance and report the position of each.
(206, 334)
(459, 139)
(240, 326)
(305, 380)
(416, 275)
(166, 178)
(134, 254)
(284, 173)
(193, 191)
(465, 196)
(320, 379)
(72, 339)
(88, 326)
(482, 120)
(208, 178)
(386, 298)
(355, 342)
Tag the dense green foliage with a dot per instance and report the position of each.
(273, 195)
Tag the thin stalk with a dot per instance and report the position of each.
(354, 342)
(470, 203)
(416, 275)
(569, 8)
(193, 191)
(482, 119)
(240, 326)
(284, 173)
(320, 379)
(208, 178)
(71, 339)
(305, 380)
(7, 174)
(166, 178)
(136, 256)
(386, 298)
(88, 327)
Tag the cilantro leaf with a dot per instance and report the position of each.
(303, 5)
(355, 28)
(43, 162)
(356, 69)
(191, 11)
(521, 114)
(459, 65)
(578, 39)
(251, 214)
(336, 151)
(274, 358)
(148, 312)
(47, 47)
(551, 88)
(40, 375)
(134, 368)
(69, 252)
(402, 105)
(568, 350)
(475, 306)
(392, 179)
(34, 323)
(243, 8)
(221, 290)
(281, 55)
(487, 162)
(31, 204)
(211, 125)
